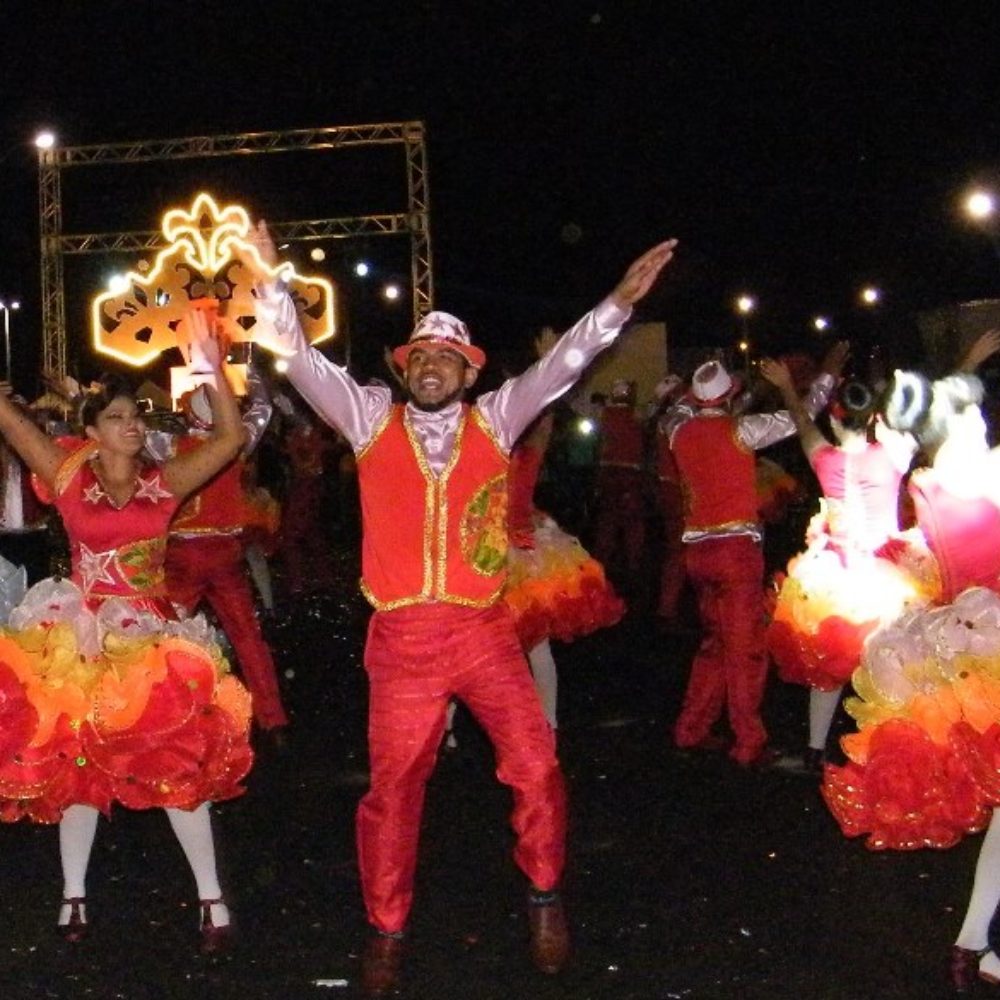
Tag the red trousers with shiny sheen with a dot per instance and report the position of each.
(730, 668)
(417, 659)
(212, 568)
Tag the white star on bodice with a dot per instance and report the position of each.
(93, 493)
(150, 489)
(94, 566)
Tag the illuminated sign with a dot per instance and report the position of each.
(203, 266)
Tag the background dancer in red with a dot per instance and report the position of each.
(838, 591)
(620, 502)
(205, 559)
(433, 488)
(715, 455)
(107, 697)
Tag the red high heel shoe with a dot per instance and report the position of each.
(213, 939)
(963, 967)
(76, 929)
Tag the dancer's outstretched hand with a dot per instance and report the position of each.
(640, 276)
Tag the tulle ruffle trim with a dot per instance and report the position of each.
(116, 705)
(824, 612)
(556, 590)
(924, 766)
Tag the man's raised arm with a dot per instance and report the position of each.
(519, 400)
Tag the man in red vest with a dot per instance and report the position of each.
(432, 478)
(714, 451)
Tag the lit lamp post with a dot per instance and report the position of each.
(745, 305)
(6, 309)
(980, 207)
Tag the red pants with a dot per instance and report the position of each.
(730, 667)
(211, 568)
(303, 540)
(672, 571)
(417, 658)
(620, 520)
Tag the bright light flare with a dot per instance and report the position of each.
(45, 139)
(980, 205)
(746, 304)
(870, 295)
(585, 426)
(821, 323)
(317, 254)
(118, 284)
(281, 365)
(392, 292)
(361, 269)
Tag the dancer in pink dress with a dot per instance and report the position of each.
(838, 591)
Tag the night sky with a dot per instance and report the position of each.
(797, 150)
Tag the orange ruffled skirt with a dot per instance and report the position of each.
(923, 768)
(824, 612)
(116, 705)
(556, 590)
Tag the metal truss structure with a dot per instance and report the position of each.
(55, 244)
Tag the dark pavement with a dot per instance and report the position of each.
(688, 877)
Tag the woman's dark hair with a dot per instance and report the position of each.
(98, 398)
(853, 406)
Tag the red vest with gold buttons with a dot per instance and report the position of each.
(433, 538)
(717, 472)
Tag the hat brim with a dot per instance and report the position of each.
(736, 387)
(473, 355)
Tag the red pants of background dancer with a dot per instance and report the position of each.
(417, 659)
(211, 568)
(672, 570)
(620, 522)
(730, 668)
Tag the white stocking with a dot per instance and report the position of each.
(985, 891)
(76, 837)
(194, 832)
(260, 573)
(543, 669)
(822, 708)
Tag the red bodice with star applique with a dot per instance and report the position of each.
(117, 551)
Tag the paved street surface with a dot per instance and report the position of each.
(688, 878)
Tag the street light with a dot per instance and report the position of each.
(745, 305)
(870, 295)
(820, 324)
(6, 309)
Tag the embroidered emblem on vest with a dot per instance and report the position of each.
(483, 530)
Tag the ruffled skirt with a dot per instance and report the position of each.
(556, 590)
(924, 766)
(114, 704)
(825, 610)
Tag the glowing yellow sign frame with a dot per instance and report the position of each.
(202, 266)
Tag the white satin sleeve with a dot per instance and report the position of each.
(354, 410)
(512, 407)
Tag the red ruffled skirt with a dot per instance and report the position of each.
(118, 706)
(556, 590)
(924, 766)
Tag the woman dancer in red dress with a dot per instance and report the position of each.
(107, 698)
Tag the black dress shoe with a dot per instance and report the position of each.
(549, 933)
(380, 964)
(963, 968)
(76, 929)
